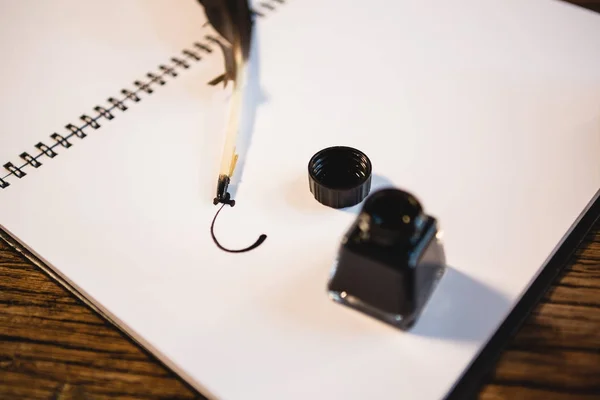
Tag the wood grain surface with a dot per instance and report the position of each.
(54, 346)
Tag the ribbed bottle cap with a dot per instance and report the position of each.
(339, 176)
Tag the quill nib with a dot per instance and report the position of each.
(222, 193)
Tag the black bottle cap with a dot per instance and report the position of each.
(339, 176)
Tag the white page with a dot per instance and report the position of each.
(490, 116)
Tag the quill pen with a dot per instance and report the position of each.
(232, 19)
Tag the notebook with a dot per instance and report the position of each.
(111, 138)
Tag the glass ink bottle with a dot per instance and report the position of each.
(390, 260)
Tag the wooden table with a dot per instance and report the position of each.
(53, 346)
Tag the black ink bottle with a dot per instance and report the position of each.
(390, 260)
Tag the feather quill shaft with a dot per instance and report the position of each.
(232, 19)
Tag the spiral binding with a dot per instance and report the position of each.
(182, 62)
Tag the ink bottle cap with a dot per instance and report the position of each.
(339, 176)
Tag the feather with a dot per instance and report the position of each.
(232, 19)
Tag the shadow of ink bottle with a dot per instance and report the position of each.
(390, 260)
